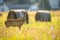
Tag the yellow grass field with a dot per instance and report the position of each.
(34, 30)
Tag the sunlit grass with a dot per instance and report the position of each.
(33, 30)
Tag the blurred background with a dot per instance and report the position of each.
(34, 30)
(6, 5)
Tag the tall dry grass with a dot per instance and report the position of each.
(34, 30)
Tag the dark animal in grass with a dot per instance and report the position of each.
(14, 19)
(0, 14)
(42, 16)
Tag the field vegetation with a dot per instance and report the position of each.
(32, 31)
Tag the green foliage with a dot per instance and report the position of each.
(23, 1)
(9, 0)
(44, 4)
(19, 1)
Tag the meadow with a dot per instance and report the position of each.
(32, 31)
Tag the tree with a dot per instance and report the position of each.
(44, 4)
(23, 1)
(8, 0)
(59, 3)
